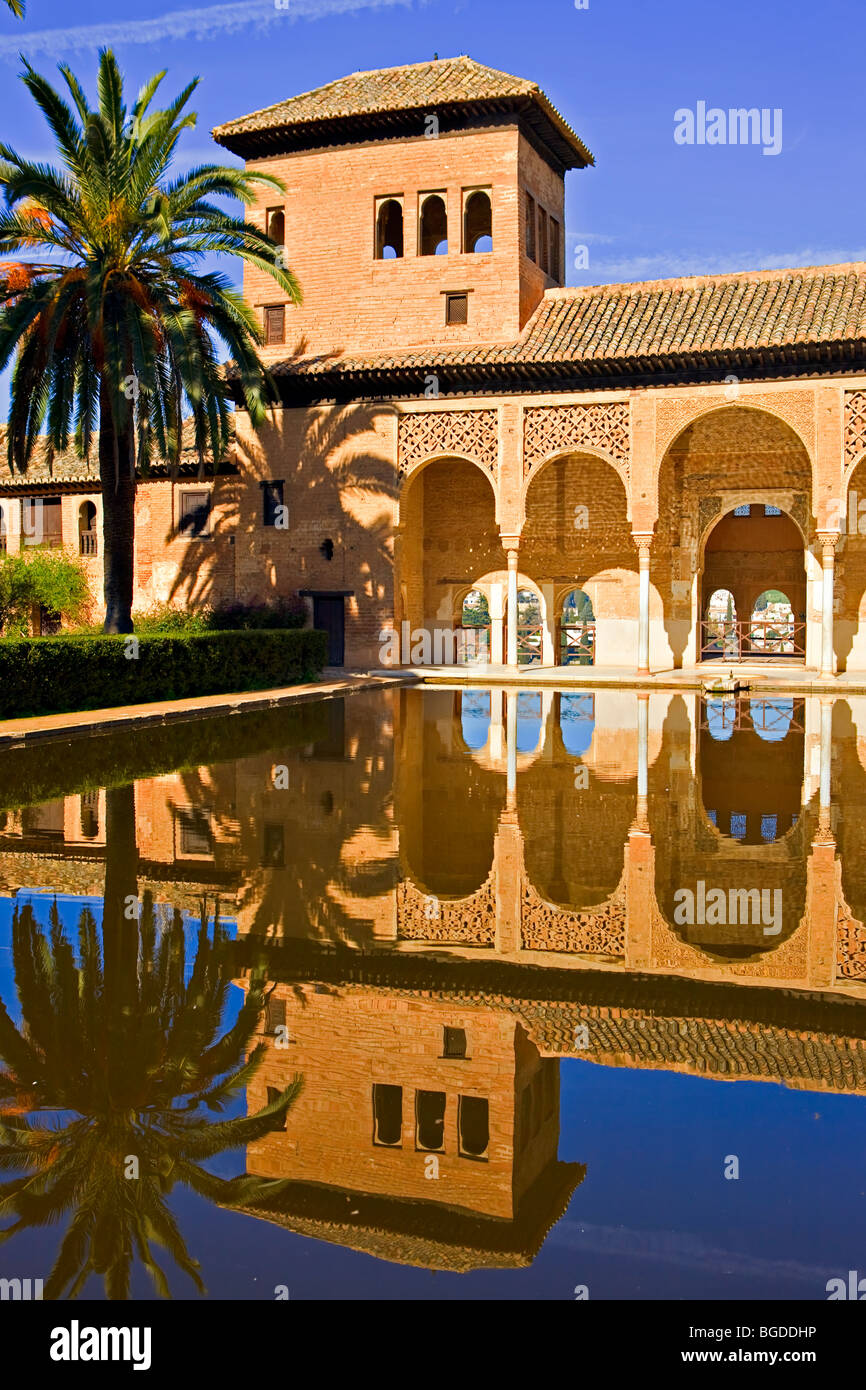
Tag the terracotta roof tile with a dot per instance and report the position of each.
(662, 319)
(441, 82)
(67, 468)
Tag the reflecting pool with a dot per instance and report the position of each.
(439, 993)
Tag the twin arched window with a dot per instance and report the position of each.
(389, 230)
(433, 226)
(477, 222)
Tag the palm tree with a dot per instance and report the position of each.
(125, 1042)
(16, 7)
(116, 330)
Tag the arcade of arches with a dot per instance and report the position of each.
(609, 553)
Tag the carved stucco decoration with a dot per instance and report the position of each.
(709, 507)
(789, 960)
(855, 426)
(796, 408)
(468, 922)
(850, 946)
(597, 931)
(438, 433)
(553, 429)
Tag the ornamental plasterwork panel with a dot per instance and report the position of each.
(855, 425)
(596, 931)
(553, 429)
(438, 433)
(468, 922)
(796, 408)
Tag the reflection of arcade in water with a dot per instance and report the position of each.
(573, 821)
(453, 891)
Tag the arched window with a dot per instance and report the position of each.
(577, 630)
(720, 636)
(529, 719)
(389, 231)
(529, 628)
(474, 634)
(576, 722)
(475, 717)
(477, 222)
(87, 538)
(276, 225)
(434, 226)
(772, 629)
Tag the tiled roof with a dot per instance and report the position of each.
(67, 469)
(439, 83)
(653, 324)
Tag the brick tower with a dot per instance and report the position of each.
(423, 207)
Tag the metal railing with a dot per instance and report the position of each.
(529, 643)
(577, 644)
(759, 640)
(473, 644)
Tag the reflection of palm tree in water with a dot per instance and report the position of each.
(126, 1041)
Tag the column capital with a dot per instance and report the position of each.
(510, 543)
(829, 540)
(643, 540)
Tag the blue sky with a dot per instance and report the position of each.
(618, 70)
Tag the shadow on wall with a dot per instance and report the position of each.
(336, 486)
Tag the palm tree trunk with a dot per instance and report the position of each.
(118, 516)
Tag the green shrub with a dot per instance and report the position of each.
(49, 578)
(164, 618)
(234, 616)
(240, 617)
(39, 675)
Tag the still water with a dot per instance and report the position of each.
(439, 994)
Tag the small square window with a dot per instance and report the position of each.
(772, 511)
(195, 834)
(275, 1016)
(454, 1042)
(275, 324)
(457, 308)
(194, 515)
(273, 506)
(745, 510)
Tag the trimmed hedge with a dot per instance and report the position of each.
(42, 675)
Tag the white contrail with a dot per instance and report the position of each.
(204, 23)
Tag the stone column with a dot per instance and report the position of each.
(828, 541)
(510, 543)
(497, 626)
(549, 630)
(642, 756)
(643, 541)
(822, 872)
(826, 761)
(511, 749)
